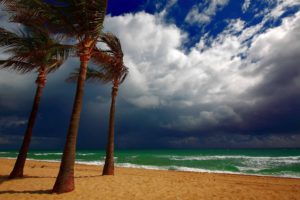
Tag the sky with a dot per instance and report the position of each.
(202, 74)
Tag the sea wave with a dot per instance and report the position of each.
(103, 158)
(191, 169)
(169, 168)
(130, 165)
(225, 157)
(90, 162)
(85, 154)
(242, 171)
(46, 154)
(253, 169)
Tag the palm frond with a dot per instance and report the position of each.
(96, 75)
(73, 77)
(110, 61)
(102, 57)
(17, 65)
(123, 74)
(113, 43)
(61, 51)
(9, 39)
(53, 65)
(34, 47)
(74, 18)
(91, 75)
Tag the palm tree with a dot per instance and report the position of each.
(31, 50)
(81, 20)
(111, 69)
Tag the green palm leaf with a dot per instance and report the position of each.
(32, 49)
(73, 18)
(110, 66)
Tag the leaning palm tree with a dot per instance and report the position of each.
(110, 69)
(31, 50)
(81, 20)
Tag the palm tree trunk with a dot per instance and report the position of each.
(65, 179)
(18, 169)
(109, 160)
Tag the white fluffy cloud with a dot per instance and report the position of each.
(161, 73)
(216, 71)
(149, 47)
(246, 5)
(200, 15)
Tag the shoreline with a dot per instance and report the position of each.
(131, 183)
(160, 169)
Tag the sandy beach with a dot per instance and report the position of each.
(129, 183)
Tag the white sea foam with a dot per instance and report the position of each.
(46, 154)
(103, 158)
(179, 168)
(130, 165)
(254, 169)
(85, 154)
(90, 162)
(171, 168)
(190, 169)
(269, 163)
(225, 157)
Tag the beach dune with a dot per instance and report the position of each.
(130, 184)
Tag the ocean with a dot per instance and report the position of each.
(265, 162)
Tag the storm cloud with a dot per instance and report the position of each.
(238, 88)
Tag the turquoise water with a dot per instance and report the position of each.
(271, 162)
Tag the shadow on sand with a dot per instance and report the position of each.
(26, 192)
(4, 178)
(88, 176)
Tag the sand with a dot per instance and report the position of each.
(130, 184)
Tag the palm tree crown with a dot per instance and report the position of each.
(79, 18)
(111, 66)
(31, 50)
